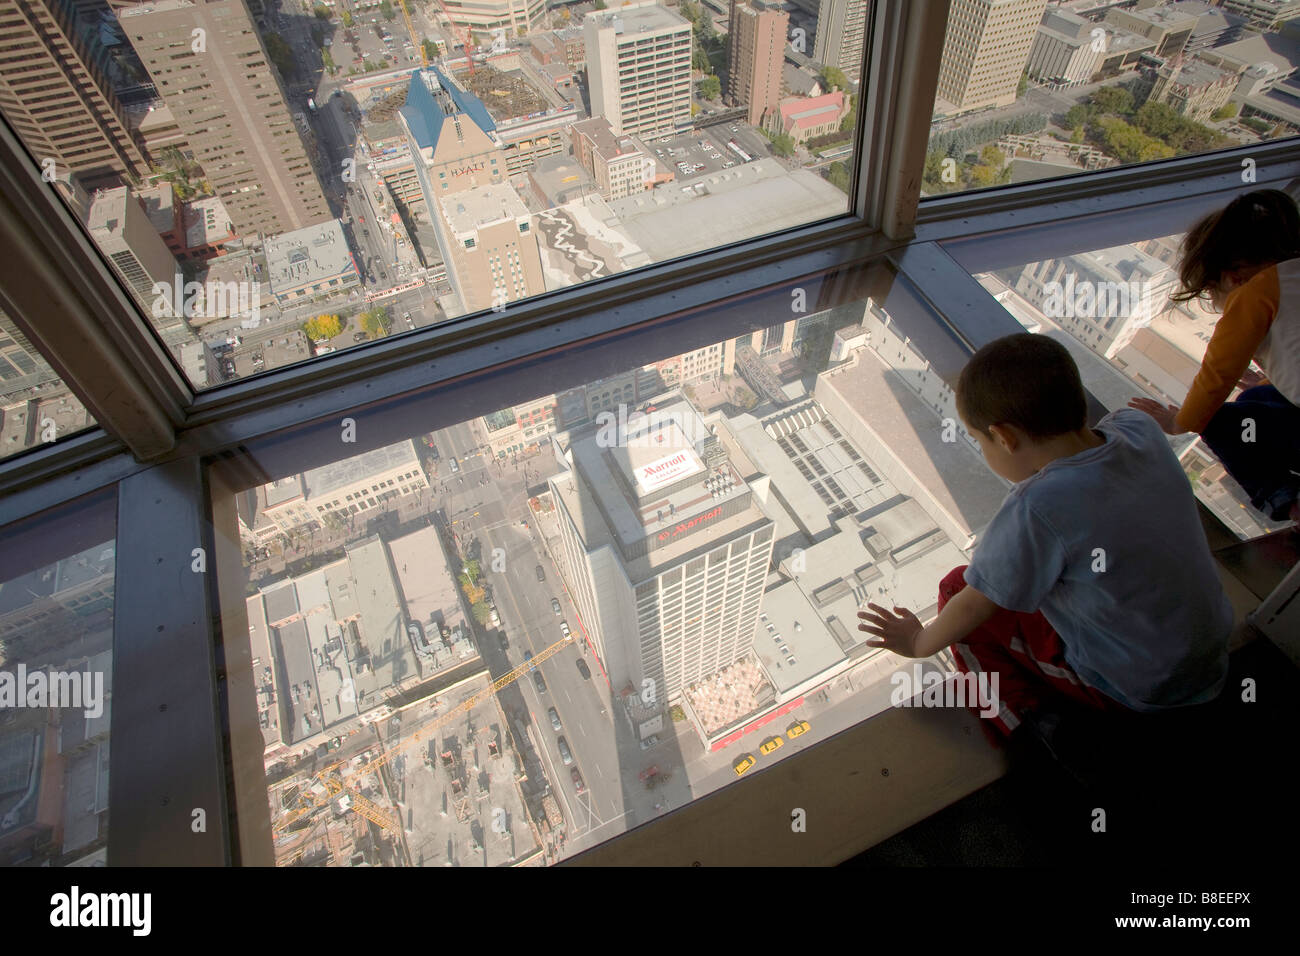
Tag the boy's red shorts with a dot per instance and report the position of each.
(1028, 657)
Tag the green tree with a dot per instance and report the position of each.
(482, 613)
(1113, 99)
(430, 49)
(783, 144)
(473, 570)
(600, 4)
(386, 9)
(1023, 84)
(281, 55)
(347, 19)
(1226, 111)
(1129, 144)
(327, 61)
(322, 12)
(375, 321)
(992, 156)
(851, 118)
(834, 78)
(710, 88)
(838, 176)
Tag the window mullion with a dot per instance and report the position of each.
(63, 297)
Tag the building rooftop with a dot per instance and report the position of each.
(559, 178)
(471, 210)
(712, 211)
(630, 19)
(605, 515)
(160, 206)
(107, 215)
(910, 448)
(1279, 49)
(431, 98)
(812, 111)
(307, 256)
(206, 222)
(327, 479)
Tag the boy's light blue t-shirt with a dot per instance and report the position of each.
(1108, 545)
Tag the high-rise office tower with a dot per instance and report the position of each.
(118, 223)
(666, 545)
(841, 31)
(639, 69)
(56, 96)
(210, 67)
(986, 50)
(758, 31)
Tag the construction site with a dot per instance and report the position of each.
(438, 783)
(506, 95)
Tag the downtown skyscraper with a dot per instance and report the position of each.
(211, 68)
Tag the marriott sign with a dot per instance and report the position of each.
(669, 533)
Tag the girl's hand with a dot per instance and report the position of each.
(1164, 415)
(897, 631)
(1250, 378)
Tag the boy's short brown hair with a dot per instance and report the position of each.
(1029, 381)
(1258, 228)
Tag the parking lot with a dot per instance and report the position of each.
(697, 154)
(371, 40)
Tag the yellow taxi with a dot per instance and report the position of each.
(797, 728)
(772, 743)
(743, 764)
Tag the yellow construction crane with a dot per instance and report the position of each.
(334, 786)
(410, 28)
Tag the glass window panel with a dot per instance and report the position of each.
(35, 406)
(1111, 308)
(682, 680)
(272, 185)
(56, 687)
(1032, 90)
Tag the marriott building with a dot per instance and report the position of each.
(667, 547)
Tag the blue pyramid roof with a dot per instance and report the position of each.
(425, 117)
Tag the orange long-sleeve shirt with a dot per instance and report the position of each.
(1261, 321)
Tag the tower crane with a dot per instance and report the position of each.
(334, 786)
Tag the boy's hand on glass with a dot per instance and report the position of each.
(897, 630)
(1164, 415)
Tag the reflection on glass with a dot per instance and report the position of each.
(1030, 90)
(35, 406)
(1112, 309)
(273, 181)
(509, 639)
(56, 645)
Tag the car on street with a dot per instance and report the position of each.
(555, 718)
(576, 777)
(528, 656)
(360, 336)
(503, 641)
(541, 574)
(583, 669)
(564, 628)
(539, 682)
(650, 741)
(797, 729)
(455, 465)
(563, 745)
(555, 606)
(771, 744)
(743, 764)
